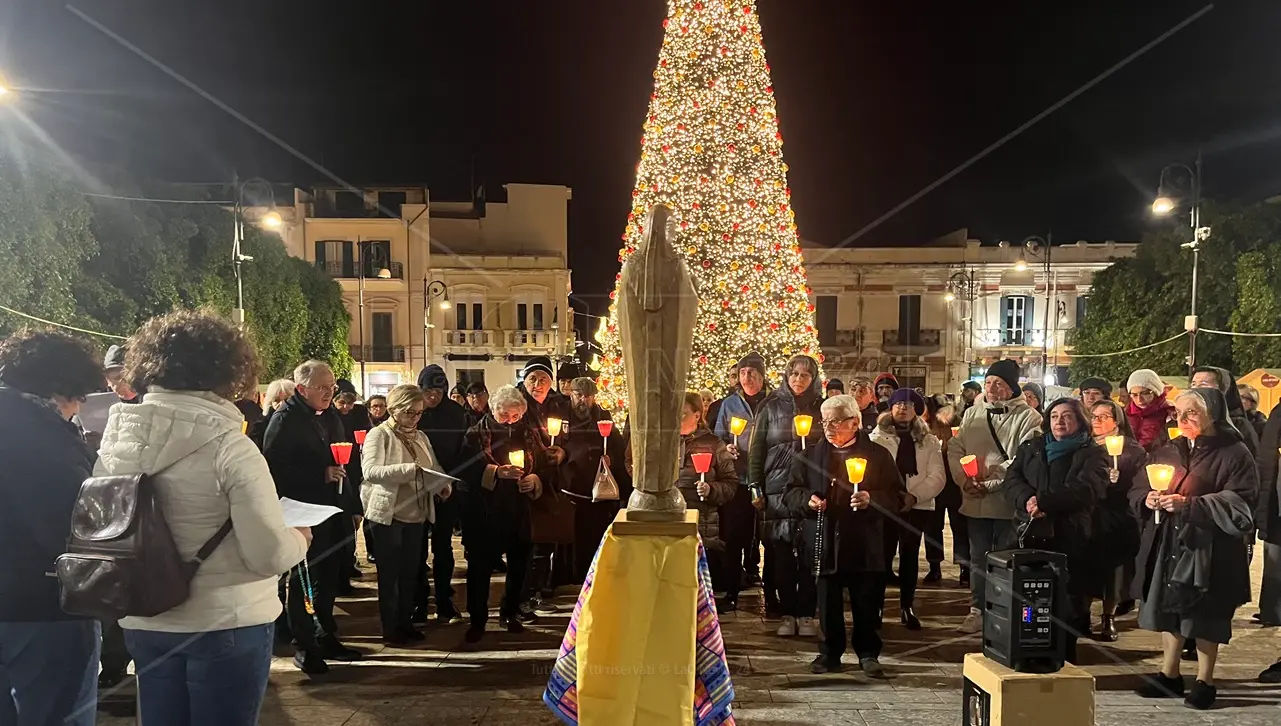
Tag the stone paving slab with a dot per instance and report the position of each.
(500, 681)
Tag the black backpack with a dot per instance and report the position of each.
(121, 559)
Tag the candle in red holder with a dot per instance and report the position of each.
(360, 437)
(605, 428)
(342, 453)
(970, 464)
(702, 463)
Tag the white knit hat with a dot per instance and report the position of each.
(1146, 378)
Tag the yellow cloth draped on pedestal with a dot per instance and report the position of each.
(636, 635)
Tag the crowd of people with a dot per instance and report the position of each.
(531, 476)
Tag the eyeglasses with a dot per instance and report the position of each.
(1144, 395)
(414, 413)
(1098, 417)
(829, 424)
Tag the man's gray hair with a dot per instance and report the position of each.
(307, 370)
(842, 406)
(507, 397)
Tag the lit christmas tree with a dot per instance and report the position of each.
(712, 150)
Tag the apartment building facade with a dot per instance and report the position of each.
(477, 287)
(937, 315)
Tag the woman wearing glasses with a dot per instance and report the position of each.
(1114, 541)
(1148, 410)
(399, 498)
(1194, 565)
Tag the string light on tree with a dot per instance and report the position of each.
(711, 148)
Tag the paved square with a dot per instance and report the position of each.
(446, 682)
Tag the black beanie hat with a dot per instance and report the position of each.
(1008, 371)
(751, 360)
(538, 363)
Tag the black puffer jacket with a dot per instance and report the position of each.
(721, 478)
(774, 446)
(1267, 515)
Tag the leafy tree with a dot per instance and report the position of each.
(44, 238)
(1258, 309)
(110, 264)
(1143, 300)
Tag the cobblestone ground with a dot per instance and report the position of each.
(500, 682)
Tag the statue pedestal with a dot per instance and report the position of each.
(667, 524)
(644, 645)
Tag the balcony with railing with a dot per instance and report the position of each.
(531, 339)
(378, 353)
(472, 338)
(346, 269)
(924, 341)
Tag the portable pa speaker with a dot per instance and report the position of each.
(1023, 620)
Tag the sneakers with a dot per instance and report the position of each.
(872, 667)
(788, 626)
(311, 663)
(807, 627)
(1272, 674)
(448, 615)
(973, 622)
(822, 665)
(1201, 696)
(1159, 686)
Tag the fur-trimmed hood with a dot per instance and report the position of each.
(920, 430)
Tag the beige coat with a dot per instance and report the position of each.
(396, 487)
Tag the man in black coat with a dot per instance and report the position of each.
(445, 424)
(584, 448)
(851, 547)
(297, 448)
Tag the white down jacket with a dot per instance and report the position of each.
(206, 471)
(930, 477)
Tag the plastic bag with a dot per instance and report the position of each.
(605, 488)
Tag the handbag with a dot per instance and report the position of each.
(605, 488)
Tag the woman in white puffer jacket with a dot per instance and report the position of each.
(207, 660)
(919, 456)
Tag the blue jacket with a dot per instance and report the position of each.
(735, 405)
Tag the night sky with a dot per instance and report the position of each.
(876, 101)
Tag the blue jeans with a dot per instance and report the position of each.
(189, 679)
(986, 536)
(49, 673)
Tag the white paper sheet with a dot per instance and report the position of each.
(440, 474)
(302, 514)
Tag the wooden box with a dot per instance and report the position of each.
(685, 527)
(997, 696)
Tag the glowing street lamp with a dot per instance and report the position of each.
(1162, 206)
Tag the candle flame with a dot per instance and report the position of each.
(737, 425)
(855, 469)
(1160, 476)
(516, 459)
(554, 426)
(1115, 444)
(803, 423)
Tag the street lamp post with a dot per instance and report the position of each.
(963, 285)
(1168, 199)
(432, 289)
(271, 220)
(1042, 248)
(383, 273)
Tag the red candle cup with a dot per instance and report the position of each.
(342, 453)
(970, 464)
(605, 428)
(702, 461)
(360, 437)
